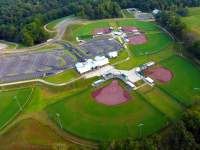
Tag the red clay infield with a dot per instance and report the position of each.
(129, 28)
(138, 39)
(101, 30)
(113, 94)
(161, 74)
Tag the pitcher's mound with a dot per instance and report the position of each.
(161, 74)
(113, 94)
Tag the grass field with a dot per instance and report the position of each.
(9, 106)
(63, 77)
(80, 112)
(163, 102)
(184, 82)
(157, 39)
(31, 134)
(85, 31)
(192, 21)
(135, 61)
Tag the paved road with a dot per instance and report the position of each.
(59, 29)
(41, 81)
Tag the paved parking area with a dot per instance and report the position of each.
(23, 66)
(101, 46)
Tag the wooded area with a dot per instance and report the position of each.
(22, 20)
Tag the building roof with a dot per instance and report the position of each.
(88, 65)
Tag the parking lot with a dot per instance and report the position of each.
(101, 46)
(33, 65)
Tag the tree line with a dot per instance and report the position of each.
(171, 21)
(21, 19)
(182, 135)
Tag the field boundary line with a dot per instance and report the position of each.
(19, 111)
(174, 97)
(154, 107)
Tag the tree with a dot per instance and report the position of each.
(27, 39)
(195, 49)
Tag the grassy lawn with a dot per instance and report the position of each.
(192, 21)
(82, 116)
(144, 26)
(53, 24)
(138, 60)
(163, 102)
(9, 107)
(186, 78)
(63, 77)
(85, 31)
(31, 134)
(49, 47)
(122, 55)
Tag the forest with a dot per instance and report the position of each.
(22, 21)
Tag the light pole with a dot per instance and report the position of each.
(18, 103)
(59, 122)
(140, 129)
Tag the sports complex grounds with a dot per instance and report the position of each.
(96, 113)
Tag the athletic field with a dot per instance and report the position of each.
(12, 103)
(157, 39)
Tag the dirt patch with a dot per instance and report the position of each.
(113, 94)
(137, 39)
(129, 29)
(161, 74)
(101, 31)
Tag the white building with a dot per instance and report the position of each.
(155, 11)
(83, 67)
(99, 61)
(113, 54)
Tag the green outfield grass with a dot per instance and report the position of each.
(186, 79)
(157, 39)
(135, 61)
(192, 21)
(163, 102)
(81, 115)
(9, 107)
(144, 26)
(156, 42)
